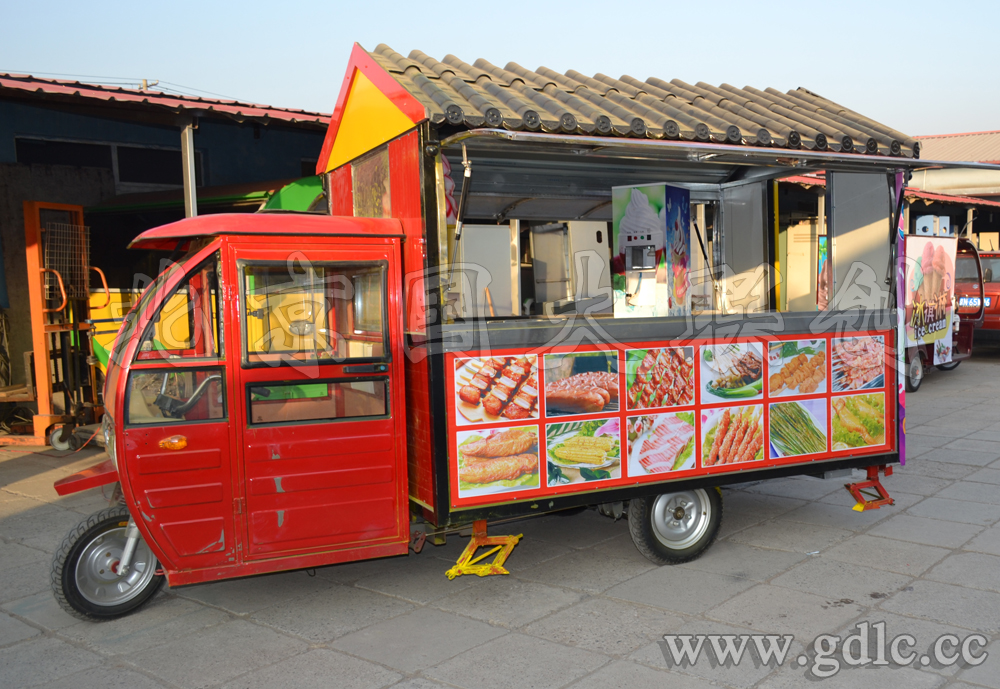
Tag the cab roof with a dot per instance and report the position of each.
(167, 237)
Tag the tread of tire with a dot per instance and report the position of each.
(59, 559)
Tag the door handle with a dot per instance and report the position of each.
(367, 368)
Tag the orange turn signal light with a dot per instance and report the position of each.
(174, 442)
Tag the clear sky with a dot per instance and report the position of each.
(920, 67)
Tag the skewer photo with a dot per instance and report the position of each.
(659, 377)
(858, 363)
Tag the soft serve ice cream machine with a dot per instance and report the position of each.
(651, 228)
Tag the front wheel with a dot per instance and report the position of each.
(914, 373)
(675, 527)
(85, 577)
(950, 366)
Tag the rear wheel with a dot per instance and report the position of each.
(85, 577)
(950, 366)
(675, 527)
(914, 373)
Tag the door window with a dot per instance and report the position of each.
(316, 312)
(175, 395)
(188, 323)
(318, 401)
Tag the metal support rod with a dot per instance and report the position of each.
(460, 213)
(131, 541)
(187, 162)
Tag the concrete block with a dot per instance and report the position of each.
(795, 537)
(216, 655)
(611, 627)
(589, 571)
(12, 631)
(777, 610)
(319, 668)
(844, 581)
(929, 531)
(507, 601)
(961, 511)
(682, 590)
(517, 661)
(734, 559)
(633, 676)
(948, 604)
(988, 541)
(971, 570)
(423, 638)
(331, 613)
(42, 659)
(889, 554)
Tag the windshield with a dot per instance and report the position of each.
(965, 268)
(991, 268)
(131, 319)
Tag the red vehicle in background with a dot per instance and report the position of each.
(988, 331)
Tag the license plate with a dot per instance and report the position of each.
(972, 302)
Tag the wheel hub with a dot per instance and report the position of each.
(97, 575)
(680, 519)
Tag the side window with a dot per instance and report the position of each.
(318, 401)
(175, 395)
(188, 324)
(317, 312)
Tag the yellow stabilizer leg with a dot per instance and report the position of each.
(468, 562)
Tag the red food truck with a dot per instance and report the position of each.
(527, 292)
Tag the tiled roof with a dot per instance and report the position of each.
(983, 147)
(59, 88)
(482, 95)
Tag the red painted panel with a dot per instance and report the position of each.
(338, 521)
(184, 495)
(98, 475)
(405, 186)
(183, 501)
(182, 460)
(341, 191)
(320, 480)
(419, 436)
(197, 537)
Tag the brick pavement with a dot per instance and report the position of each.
(582, 608)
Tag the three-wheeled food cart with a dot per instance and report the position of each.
(530, 291)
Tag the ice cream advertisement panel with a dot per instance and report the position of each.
(930, 284)
(652, 232)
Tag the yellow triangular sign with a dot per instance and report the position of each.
(369, 120)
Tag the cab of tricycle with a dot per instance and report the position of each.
(271, 340)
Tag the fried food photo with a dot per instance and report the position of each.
(498, 460)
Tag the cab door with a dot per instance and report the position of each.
(176, 426)
(321, 390)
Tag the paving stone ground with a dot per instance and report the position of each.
(581, 608)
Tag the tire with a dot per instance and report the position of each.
(83, 578)
(61, 445)
(667, 536)
(914, 373)
(951, 366)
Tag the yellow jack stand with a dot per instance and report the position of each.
(467, 562)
